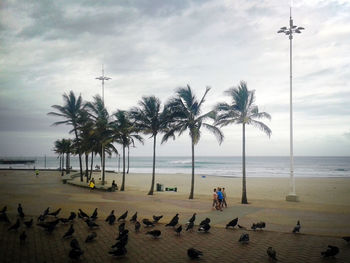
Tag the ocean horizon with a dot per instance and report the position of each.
(228, 166)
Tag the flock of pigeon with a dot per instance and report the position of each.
(46, 222)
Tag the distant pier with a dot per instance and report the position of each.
(14, 161)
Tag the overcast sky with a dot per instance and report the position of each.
(148, 47)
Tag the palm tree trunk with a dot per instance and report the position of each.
(103, 166)
(192, 181)
(67, 163)
(61, 164)
(92, 161)
(78, 148)
(87, 167)
(123, 182)
(128, 159)
(244, 187)
(154, 165)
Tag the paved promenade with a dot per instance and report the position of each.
(219, 244)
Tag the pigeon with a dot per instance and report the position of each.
(15, 226)
(69, 233)
(75, 244)
(178, 230)
(20, 211)
(137, 226)
(55, 213)
(72, 216)
(46, 212)
(155, 233)
(192, 219)
(347, 239)
(204, 228)
(22, 237)
(244, 238)
(147, 222)
(205, 221)
(75, 253)
(64, 220)
(28, 223)
(111, 218)
(260, 225)
(121, 227)
(134, 218)
(190, 226)
(232, 223)
(297, 228)
(271, 253)
(4, 218)
(91, 237)
(194, 253)
(123, 216)
(41, 218)
(122, 234)
(157, 218)
(94, 214)
(173, 221)
(121, 243)
(330, 252)
(91, 224)
(81, 214)
(49, 226)
(3, 210)
(119, 252)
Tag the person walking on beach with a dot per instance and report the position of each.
(224, 199)
(92, 184)
(215, 199)
(220, 197)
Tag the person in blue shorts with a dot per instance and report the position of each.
(220, 197)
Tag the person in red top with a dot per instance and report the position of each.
(215, 199)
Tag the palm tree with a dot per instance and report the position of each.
(149, 119)
(185, 113)
(242, 110)
(67, 149)
(102, 128)
(70, 111)
(125, 133)
(59, 149)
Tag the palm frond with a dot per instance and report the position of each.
(216, 131)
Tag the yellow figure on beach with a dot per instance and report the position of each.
(92, 183)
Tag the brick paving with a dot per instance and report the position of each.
(218, 245)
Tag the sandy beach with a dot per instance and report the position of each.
(324, 206)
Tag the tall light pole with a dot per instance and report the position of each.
(103, 78)
(289, 32)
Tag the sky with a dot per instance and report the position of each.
(152, 47)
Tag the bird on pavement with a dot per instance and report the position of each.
(28, 223)
(69, 232)
(22, 237)
(260, 225)
(64, 220)
(121, 227)
(190, 226)
(123, 216)
(118, 252)
(74, 244)
(232, 223)
(204, 228)
(46, 211)
(55, 213)
(122, 234)
(244, 238)
(75, 253)
(94, 214)
(330, 252)
(134, 218)
(121, 243)
(271, 253)
(192, 219)
(146, 222)
(178, 230)
(297, 227)
(111, 218)
(15, 226)
(157, 218)
(137, 226)
(82, 214)
(194, 253)
(4, 217)
(173, 221)
(91, 224)
(91, 237)
(155, 233)
(205, 221)
(72, 216)
(20, 211)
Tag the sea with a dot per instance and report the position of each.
(230, 166)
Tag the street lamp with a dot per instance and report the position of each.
(289, 32)
(103, 78)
